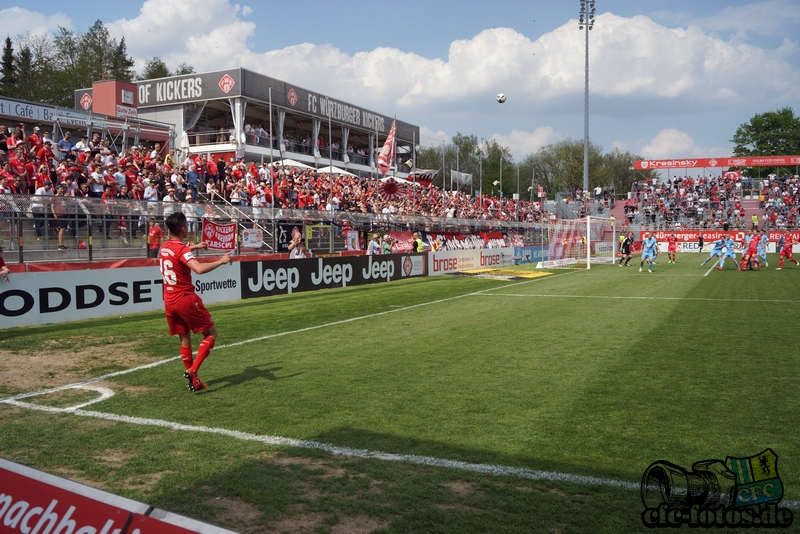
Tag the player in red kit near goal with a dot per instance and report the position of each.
(184, 309)
(786, 252)
(751, 254)
(672, 246)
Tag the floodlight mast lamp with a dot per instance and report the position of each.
(586, 23)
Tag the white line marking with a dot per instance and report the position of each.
(615, 297)
(271, 336)
(105, 393)
(487, 469)
(712, 267)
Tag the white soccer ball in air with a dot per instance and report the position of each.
(501, 98)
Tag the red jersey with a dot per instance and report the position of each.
(17, 166)
(155, 236)
(672, 241)
(174, 258)
(752, 247)
(787, 245)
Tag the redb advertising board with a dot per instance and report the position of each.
(35, 502)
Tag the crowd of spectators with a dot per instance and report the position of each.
(32, 164)
(690, 202)
(779, 199)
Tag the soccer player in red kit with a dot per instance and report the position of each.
(184, 309)
(672, 246)
(751, 254)
(786, 252)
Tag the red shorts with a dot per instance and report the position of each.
(786, 253)
(672, 247)
(188, 313)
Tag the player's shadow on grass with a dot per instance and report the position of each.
(253, 372)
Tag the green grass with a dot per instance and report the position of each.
(550, 374)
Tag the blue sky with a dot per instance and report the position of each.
(668, 79)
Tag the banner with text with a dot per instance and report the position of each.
(700, 163)
(58, 296)
(34, 501)
(261, 279)
(219, 236)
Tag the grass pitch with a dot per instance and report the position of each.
(592, 373)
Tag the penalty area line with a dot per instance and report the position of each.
(270, 336)
(712, 268)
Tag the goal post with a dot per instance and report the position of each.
(579, 243)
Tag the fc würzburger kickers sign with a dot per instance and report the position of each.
(219, 236)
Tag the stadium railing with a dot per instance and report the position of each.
(102, 229)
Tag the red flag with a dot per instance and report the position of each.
(390, 189)
(386, 157)
(219, 236)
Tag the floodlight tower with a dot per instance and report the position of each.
(586, 23)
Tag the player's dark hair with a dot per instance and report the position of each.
(175, 221)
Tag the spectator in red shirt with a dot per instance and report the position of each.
(155, 237)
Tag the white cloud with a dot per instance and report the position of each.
(673, 143)
(19, 21)
(430, 138)
(207, 33)
(770, 17)
(630, 58)
(521, 143)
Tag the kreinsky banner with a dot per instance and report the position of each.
(219, 236)
(699, 163)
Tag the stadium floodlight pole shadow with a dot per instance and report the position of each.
(586, 23)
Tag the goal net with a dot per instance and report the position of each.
(578, 243)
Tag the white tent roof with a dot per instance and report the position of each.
(286, 162)
(335, 170)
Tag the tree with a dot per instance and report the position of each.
(26, 84)
(498, 166)
(774, 133)
(619, 165)
(121, 65)
(154, 68)
(184, 68)
(559, 167)
(8, 85)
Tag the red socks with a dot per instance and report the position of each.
(202, 352)
(186, 357)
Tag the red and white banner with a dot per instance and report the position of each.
(732, 175)
(33, 501)
(700, 163)
(424, 177)
(386, 157)
(219, 236)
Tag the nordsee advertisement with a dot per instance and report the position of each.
(55, 297)
(61, 295)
